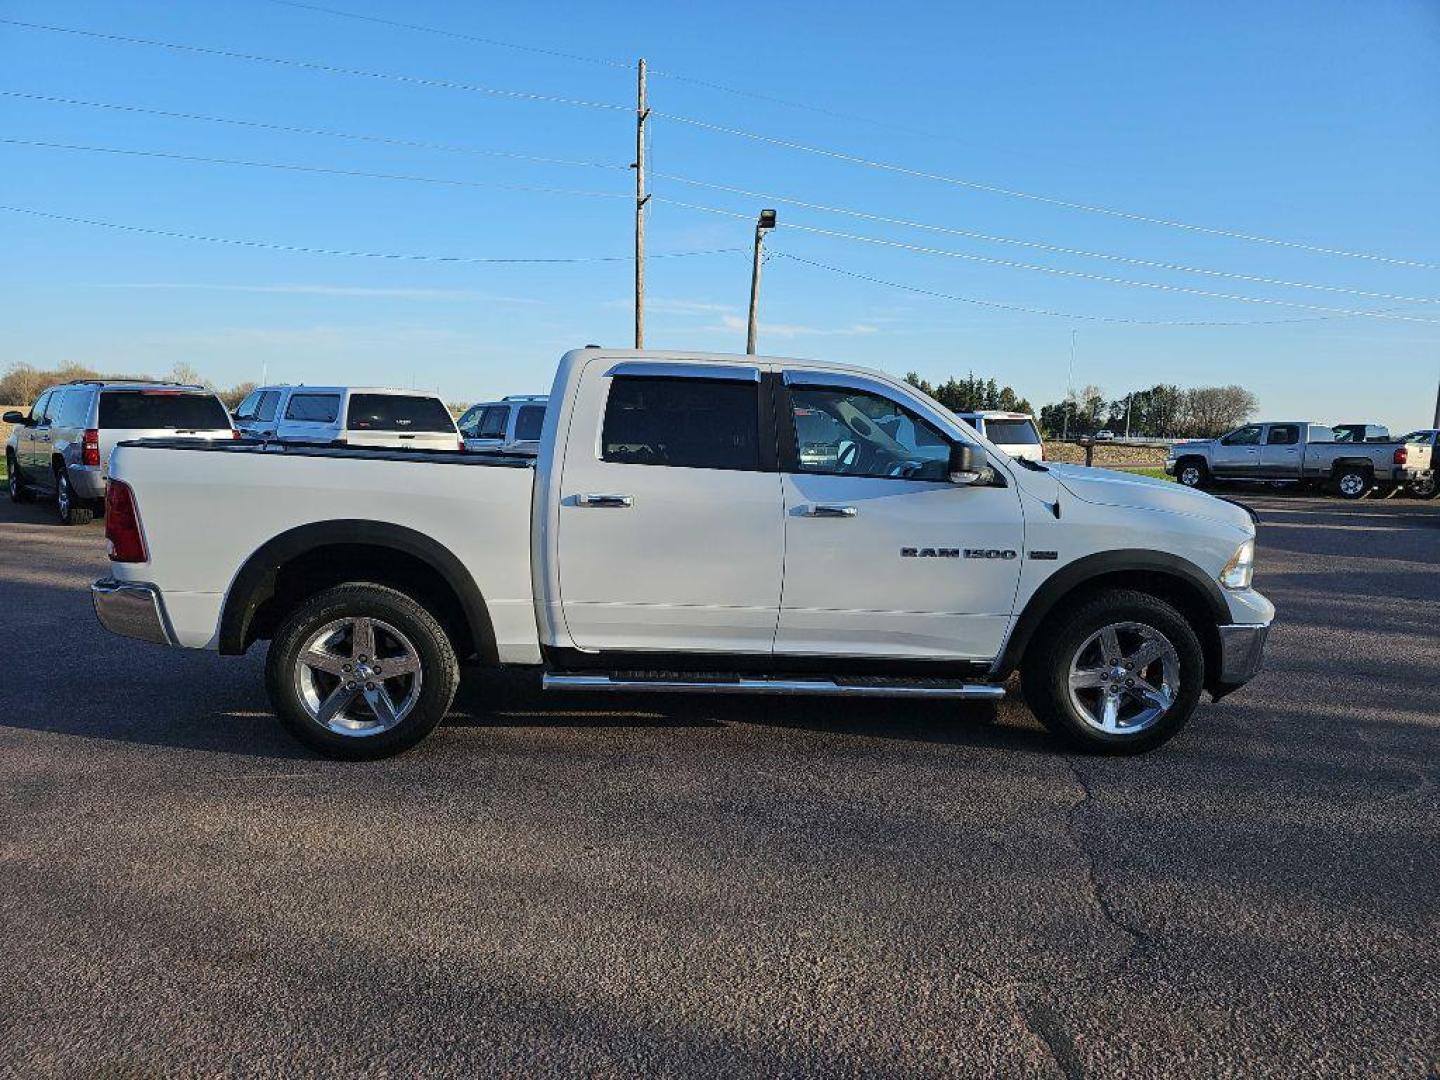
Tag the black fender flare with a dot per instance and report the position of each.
(255, 583)
(1074, 575)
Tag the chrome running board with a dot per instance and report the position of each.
(810, 687)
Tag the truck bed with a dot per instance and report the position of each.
(210, 505)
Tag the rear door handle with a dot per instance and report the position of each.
(826, 510)
(599, 502)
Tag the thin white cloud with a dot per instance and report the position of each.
(793, 330)
(674, 306)
(326, 290)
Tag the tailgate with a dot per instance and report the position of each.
(112, 437)
(417, 440)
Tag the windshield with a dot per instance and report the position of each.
(398, 412)
(162, 409)
(1012, 432)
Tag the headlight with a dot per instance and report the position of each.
(1241, 567)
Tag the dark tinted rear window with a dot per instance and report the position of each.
(687, 423)
(529, 422)
(397, 412)
(161, 409)
(313, 408)
(1012, 432)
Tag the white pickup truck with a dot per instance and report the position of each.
(672, 537)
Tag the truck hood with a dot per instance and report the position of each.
(1109, 487)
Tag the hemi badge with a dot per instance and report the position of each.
(1051, 555)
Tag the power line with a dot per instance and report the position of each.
(302, 249)
(1083, 275)
(1041, 246)
(495, 42)
(330, 69)
(1047, 311)
(387, 140)
(1051, 200)
(314, 169)
(674, 76)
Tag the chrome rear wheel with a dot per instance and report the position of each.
(358, 676)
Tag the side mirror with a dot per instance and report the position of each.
(15, 416)
(966, 466)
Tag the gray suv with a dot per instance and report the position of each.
(62, 447)
(511, 425)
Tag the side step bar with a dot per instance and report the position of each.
(809, 687)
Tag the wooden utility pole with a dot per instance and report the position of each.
(764, 224)
(1437, 407)
(642, 114)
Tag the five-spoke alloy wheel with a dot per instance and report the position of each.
(1119, 672)
(361, 671)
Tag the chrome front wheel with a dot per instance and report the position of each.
(1124, 678)
(1192, 476)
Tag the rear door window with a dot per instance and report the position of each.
(1283, 435)
(529, 422)
(313, 408)
(74, 409)
(492, 423)
(162, 410)
(265, 408)
(398, 412)
(246, 409)
(1012, 432)
(682, 423)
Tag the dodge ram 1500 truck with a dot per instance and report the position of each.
(672, 536)
(1297, 451)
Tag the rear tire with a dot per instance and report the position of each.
(19, 493)
(1119, 673)
(360, 672)
(73, 510)
(1192, 473)
(1352, 482)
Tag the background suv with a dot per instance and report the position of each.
(512, 424)
(1013, 432)
(348, 416)
(62, 448)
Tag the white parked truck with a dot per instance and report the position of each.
(672, 536)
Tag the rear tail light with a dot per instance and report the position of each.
(1402, 455)
(235, 433)
(122, 524)
(90, 447)
(461, 443)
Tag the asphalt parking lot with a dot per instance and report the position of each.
(707, 887)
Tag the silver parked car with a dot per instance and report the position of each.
(61, 448)
(348, 416)
(511, 425)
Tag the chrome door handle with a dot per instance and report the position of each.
(830, 511)
(618, 502)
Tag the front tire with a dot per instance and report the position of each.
(361, 671)
(19, 493)
(1120, 673)
(1192, 474)
(1425, 487)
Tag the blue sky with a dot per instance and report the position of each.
(1309, 121)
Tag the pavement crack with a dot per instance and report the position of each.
(1042, 1021)
(1139, 940)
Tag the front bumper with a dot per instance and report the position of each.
(1242, 650)
(131, 609)
(1169, 466)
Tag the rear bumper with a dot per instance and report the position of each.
(1242, 652)
(131, 609)
(87, 481)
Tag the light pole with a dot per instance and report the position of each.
(765, 223)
